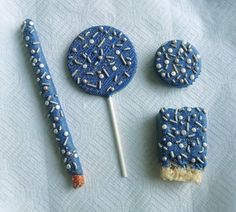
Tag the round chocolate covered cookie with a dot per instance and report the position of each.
(102, 60)
(178, 63)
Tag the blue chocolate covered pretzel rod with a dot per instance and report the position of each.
(51, 100)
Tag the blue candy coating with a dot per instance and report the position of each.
(51, 100)
(102, 60)
(183, 140)
(178, 63)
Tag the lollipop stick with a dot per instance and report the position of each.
(117, 138)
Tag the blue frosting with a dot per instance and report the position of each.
(178, 63)
(102, 60)
(183, 140)
(50, 97)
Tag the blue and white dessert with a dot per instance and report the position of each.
(183, 143)
(51, 100)
(102, 60)
(178, 63)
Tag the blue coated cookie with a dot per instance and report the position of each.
(102, 60)
(178, 63)
(183, 140)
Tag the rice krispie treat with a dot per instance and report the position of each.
(183, 144)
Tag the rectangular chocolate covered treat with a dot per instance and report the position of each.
(183, 143)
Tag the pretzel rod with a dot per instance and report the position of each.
(51, 100)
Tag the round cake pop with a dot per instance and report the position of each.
(178, 63)
(102, 61)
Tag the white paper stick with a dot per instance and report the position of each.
(117, 138)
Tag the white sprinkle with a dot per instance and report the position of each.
(189, 61)
(77, 62)
(100, 44)
(192, 77)
(187, 126)
(167, 62)
(173, 121)
(105, 72)
(110, 57)
(74, 73)
(173, 73)
(194, 129)
(56, 118)
(204, 144)
(164, 158)
(185, 80)
(74, 50)
(118, 52)
(172, 154)
(188, 149)
(91, 85)
(171, 135)
(53, 108)
(158, 65)
(185, 156)
(80, 37)
(46, 103)
(27, 38)
(65, 142)
(55, 131)
(99, 84)
(123, 59)
(183, 132)
(169, 144)
(181, 145)
(68, 166)
(198, 124)
(85, 66)
(183, 70)
(36, 42)
(57, 107)
(48, 77)
(91, 41)
(163, 74)
(179, 157)
(66, 133)
(41, 65)
(164, 126)
(202, 150)
(199, 159)
(114, 68)
(45, 88)
(193, 160)
(75, 165)
(126, 74)
(127, 49)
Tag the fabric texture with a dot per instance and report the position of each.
(32, 175)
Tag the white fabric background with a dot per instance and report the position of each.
(32, 176)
